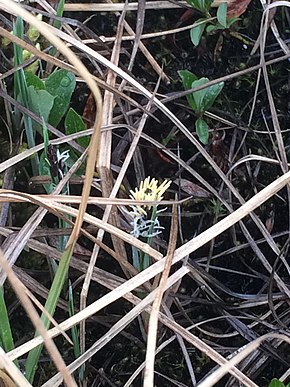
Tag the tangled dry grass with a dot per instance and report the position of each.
(225, 308)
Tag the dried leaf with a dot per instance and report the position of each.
(192, 189)
(237, 7)
(89, 113)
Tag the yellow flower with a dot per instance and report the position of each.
(149, 190)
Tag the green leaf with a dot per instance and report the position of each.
(276, 383)
(202, 128)
(187, 79)
(198, 96)
(45, 136)
(34, 80)
(205, 98)
(201, 5)
(196, 33)
(214, 27)
(74, 124)
(61, 85)
(59, 12)
(231, 21)
(41, 102)
(207, 4)
(222, 14)
(212, 93)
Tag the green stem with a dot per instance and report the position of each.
(144, 258)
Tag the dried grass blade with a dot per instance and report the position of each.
(153, 321)
(12, 370)
(104, 164)
(220, 372)
(114, 7)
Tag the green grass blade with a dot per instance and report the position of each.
(6, 338)
(59, 12)
(74, 331)
(50, 305)
(57, 23)
(21, 93)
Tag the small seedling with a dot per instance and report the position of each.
(207, 23)
(200, 100)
